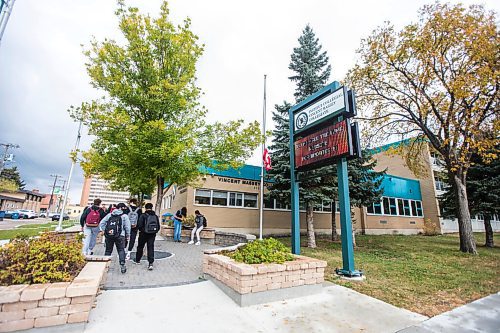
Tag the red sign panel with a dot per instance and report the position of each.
(329, 142)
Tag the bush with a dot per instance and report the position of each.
(48, 258)
(267, 250)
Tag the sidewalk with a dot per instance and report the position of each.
(202, 307)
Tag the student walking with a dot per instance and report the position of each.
(179, 216)
(200, 223)
(134, 212)
(148, 225)
(116, 228)
(89, 221)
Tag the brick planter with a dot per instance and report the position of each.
(261, 283)
(50, 304)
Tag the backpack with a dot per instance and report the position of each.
(133, 216)
(113, 226)
(93, 217)
(152, 225)
(204, 221)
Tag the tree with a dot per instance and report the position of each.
(483, 194)
(436, 79)
(311, 72)
(12, 174)
(150, 128)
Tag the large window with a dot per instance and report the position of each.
(219, 198)
(250, 200)
(396, 207)
(202, 197)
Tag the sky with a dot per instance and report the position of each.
(42, 68)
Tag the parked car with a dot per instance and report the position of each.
(56, 217)
(27, 213)
(11, 214)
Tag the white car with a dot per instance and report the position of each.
(27, 213)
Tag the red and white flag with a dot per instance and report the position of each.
(267, 160)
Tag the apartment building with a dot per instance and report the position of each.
(95, 187)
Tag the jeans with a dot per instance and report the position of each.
(120, 244)
(196, 230)
(148, 239)
(177, 230)
(90, 234)
(133, 235)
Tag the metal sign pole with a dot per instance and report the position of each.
(294, 195)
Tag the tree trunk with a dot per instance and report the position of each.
(489, 231)
(159, 194)
(335, 235)
(362, 216)
(467, 242)
(311, 239)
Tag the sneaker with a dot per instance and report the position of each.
(127, 256)
(191, 242)
(198, 243)
(123, 269)
(137, 262)
(150, 267)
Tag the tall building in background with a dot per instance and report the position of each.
(94, 188)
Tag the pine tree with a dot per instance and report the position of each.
(12, 174)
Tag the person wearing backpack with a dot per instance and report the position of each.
(200, 223)
(179, 216)
(116, 229)
(133, 212)
(148, 225)
(89, 221)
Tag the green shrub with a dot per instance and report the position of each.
(48, 258)
(267, 250)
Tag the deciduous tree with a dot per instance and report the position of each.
(436, 79)
(150, 128)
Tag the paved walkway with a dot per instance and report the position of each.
(185, 266)
(481, 316)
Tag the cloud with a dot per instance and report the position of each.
(42, 68)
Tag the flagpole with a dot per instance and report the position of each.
(262, 166)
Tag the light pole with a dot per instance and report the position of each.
(73, 161)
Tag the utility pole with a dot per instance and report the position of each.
(5, 152)
(59, 196)
(52, 193)
(73, 162)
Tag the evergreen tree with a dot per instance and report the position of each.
(483, 194)
(12, 174)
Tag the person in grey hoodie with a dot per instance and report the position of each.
(116, 228)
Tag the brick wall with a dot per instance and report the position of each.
(49, 304)
(228, 238)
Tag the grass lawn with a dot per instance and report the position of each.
(427, 275)
(33, 229)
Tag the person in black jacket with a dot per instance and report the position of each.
(148, 225)
(90, 225)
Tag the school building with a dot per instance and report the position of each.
(230, 201)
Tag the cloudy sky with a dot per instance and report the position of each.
(42, 69)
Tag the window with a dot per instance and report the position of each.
(327, 206)
(385, 201)
(268, 202)
(400, 207)
(413, 208)
(280, 204)
(251, 200)
(202, 197)
(406, 205)
(235, 199)
(377, 208)
(219, 198)
(440, 184)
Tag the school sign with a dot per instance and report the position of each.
(321, 134)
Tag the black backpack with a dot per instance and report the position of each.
(113, 226)
(204, 221)
(152, 224)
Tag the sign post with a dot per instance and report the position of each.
(320, 135)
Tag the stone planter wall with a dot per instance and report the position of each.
(254, 284)
(228, 238)
(207, 234)
(50, 304)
